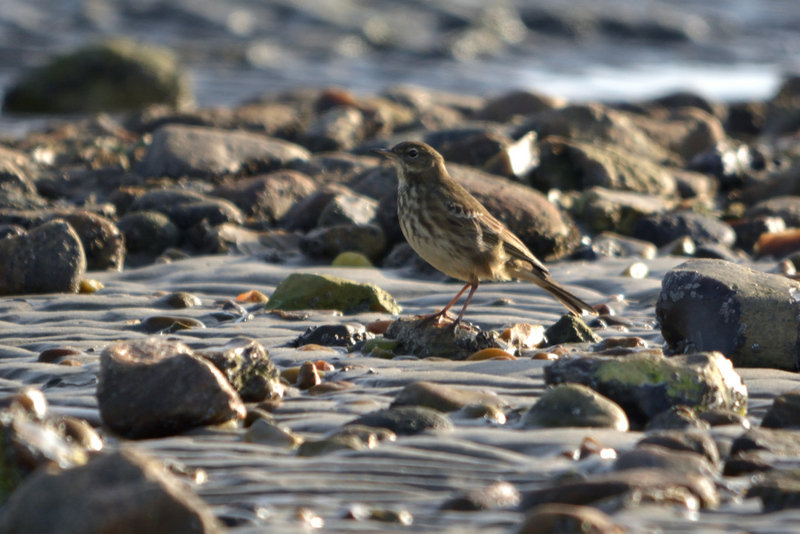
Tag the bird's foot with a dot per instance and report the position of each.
(435, 318)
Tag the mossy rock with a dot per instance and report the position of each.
(304, 291)
(113, 75)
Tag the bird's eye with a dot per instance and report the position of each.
(412, 153)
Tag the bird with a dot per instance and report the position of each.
(456, 234)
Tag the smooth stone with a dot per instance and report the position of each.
(568, 519)
(676, 417)
(714, 305)
(613, 245)
(48, 259)
(267, 433)
(126, 492)
(406, 420)
(778, 490)
(267, 197)
(785, 207)
(153, 388)
(574, 405)
(654, 456)
(329, 445)
(302, 291)
(304, 214)
(348, 208)
(700, 442)
(645, 384)
(491, 497)
(443, 398)
(148, 232)
(329, 242)
(784, 412)
(179, 150)
(663, 228)
(617, 211)
(776, 441)
(339, 128)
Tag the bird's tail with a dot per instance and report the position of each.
(543, 280)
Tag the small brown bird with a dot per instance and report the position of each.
(452, 231)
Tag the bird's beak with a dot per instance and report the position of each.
(385, 152)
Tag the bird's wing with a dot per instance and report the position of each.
(492, 231)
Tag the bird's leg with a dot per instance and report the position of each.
(436, 316)
(469, 298)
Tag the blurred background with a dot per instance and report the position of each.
(580, 49)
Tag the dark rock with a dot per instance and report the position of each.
(348, 208)
(749, 230)
(180, 300)
(718, 251)
(693, 184)
(575, 165)
(148, 233)
(126, 492)
(684, 131)
(646, 384)
(662, 486)
(188, 208)
(48, 259)
(745, 314)
(568, 519)
(785, 207)
(329, 445)
(514, 103)
(618, 211)
(570, 329)
(491, 497)
(167, 324)
(329, 242)
(673, 461)
(102, 241)
(661, 229)
(98, 78)
(330, 168)
(154, 388)
(745, 118)
(784, 412)
(301, 291)
(777, 442)
(267, 197)
(611, 245)
(676, 417)
(443, 398)
(247, 367)
(778, 490)
(734, 165)
(304, 214)
(211, 153)
(425, 338)
(333, 335)
(17, 172)
(698, 442)
(406, 420)
(574, 405)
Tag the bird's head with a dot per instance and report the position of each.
(413, 159)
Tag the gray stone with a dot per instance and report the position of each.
(574, 405)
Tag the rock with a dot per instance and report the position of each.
(646, 384)
(152, 388)
(659, 485)
(211, 153)
(694, 185)
(570, 329)
(334, 335)
(778, 490)
(699, 442)
(574, 165)
(611, 245)
(351, 259)
(267, 197)
(748, 231)
(676, 417)
(653, 456)
(180, 300)
(103, 244)
(247, 366)
(366, 239)
(329, 445)
(99, 77)
(568, 519)
(348, 209)
(441, 340)
(784, 411)
(304, 214)
(125, 492)
(574, 405)
(775, 442)
(339, 128)
(661, 229)
(491, 497)
(516, 159)
(684, 131)
(506, 106)
(48, 259)
(406, 420)
(618, 211)
(17, 172)
(301, 291)
(785, 207)
(187, 208)
(443, 398)
(267, 433)
(148, 233)
(714, 305)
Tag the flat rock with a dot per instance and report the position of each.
(153, 388)
(300, 291)
(406, 420)
(179, 150)
(749, 316)
(442, 397)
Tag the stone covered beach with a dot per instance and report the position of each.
(209, 314)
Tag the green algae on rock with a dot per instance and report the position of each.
(646, 384)
(114, 75)
(303, 291)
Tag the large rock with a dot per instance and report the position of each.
(114, 75)
(267, 197)
(153, 388)
(247, 366)
(207, 153)
(715, 305)
(646, 384)
(188, 208)
(574, 405)
(127, 492)
(301, 291)
(665, 228)
(48, 259)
